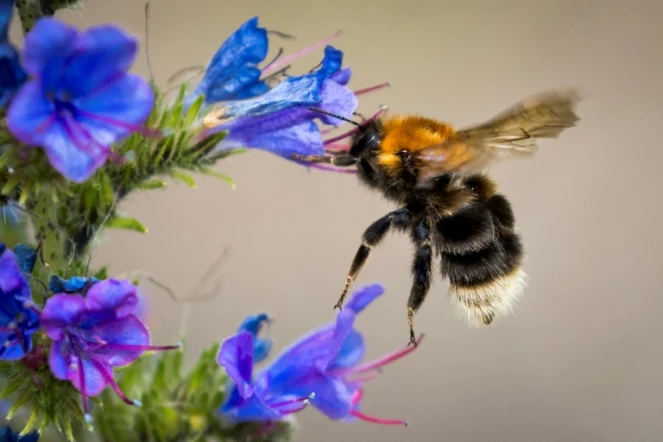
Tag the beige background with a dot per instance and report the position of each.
(581, 359)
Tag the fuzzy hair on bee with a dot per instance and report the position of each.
(449, 206)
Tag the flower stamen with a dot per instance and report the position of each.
(372, 88)
(377, 420)
(295, 55)
(387, 359)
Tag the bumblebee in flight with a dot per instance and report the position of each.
(446, 204)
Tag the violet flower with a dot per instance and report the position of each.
(322, 368)
(280, 120)
(12, 75)
(80, 99)
(93, 334)
(17, 320)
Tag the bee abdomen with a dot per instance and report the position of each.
(482, 256)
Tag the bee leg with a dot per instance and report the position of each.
(400, 219)
(341, 160)
(421, 272)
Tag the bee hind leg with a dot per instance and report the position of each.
(374, 234)
(421, 272)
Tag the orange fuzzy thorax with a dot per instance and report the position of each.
(409, 133)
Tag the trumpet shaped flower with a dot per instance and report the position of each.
(322, 368)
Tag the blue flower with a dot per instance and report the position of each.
(93, 334)
(12, 75)
(280, 120)
(17, 321)
(7, 435)
(75, 284)
(80, 99)
(322, 368)
(232, 73)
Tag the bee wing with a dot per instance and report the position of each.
(514, 132)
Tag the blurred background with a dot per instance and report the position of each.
(580, 359)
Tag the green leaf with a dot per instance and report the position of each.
(10, 185)
(223, 177)
(184, 177)
(193, 111)
(126, 223)
(151, 184)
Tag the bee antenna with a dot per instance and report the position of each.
(315, 109)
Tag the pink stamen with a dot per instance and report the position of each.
(46, 124)
(290, 402)
(69, 128)
(337, 147)
(141, 347)
(387, 359)
(340, 137)
(371, 89)
(362, 379)
(331, 168)
(145, 131)
(290, 58)
(81, 378)
(357, 396)
(377, 420)
(109, 379)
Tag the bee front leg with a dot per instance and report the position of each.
(421, 272)
(401, 219)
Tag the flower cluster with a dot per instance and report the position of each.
(81, 132)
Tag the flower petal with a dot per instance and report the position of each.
(103, 53)
(342, 77)
(232, 72)
(47, 49)
(95, 381)
(61, 311)
(253, 324)
(293, 91)
(303, 138)
(250, 409)
(331, 62)
(12, 349)
(11, 277)
(30, 114)
(236, 356)
(26, 257)
(120, 335)
(127, 100)
(111, 294)
(361, 298)
(12, 75)
(74, 284)
(351, 353)
(336, 99)
(332, 396)
(58, 361)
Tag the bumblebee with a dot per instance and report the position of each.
(446, 202)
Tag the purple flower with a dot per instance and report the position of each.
(281, 121)
(12, 75)
(17, 320)
(80, 99)
(322, 368)
(95, 333)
